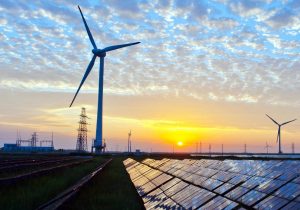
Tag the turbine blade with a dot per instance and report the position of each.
(278, 134)
(88, 30)
(115, 47)
(272, 119)
(88, 70)
(288, 122)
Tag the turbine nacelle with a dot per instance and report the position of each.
(99, 52)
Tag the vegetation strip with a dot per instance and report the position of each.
(33, 163)
(67, 194)
(109, 190)
(17, 178)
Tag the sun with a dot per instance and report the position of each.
(180, 143)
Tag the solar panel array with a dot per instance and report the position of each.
(216, 184)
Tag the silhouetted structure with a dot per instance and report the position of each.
(30, 145)
(222, 149)
(81, 144)
(279, 127)
(267, 147)
(129, 141)
(101, 53)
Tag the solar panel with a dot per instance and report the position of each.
(145, 188)
(223, 176)
(254, 181)
(211, 184)
(297, 180)
(251, 197)
(169, 184)
(195, 179)
(236, 193)
(161, 179)
(220, 203)
(224, 188)
(238, 178)
(176, 188)
(197, 199)
(288, 191)
(168, 204)
(292, 205)
(216, 184)
(271, 202)
(152, 196)
(206, 172)
(157, 198)
(270, 186)
(185, 194)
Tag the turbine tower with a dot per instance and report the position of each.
(129, 141)
(279, 127)
(101, 53)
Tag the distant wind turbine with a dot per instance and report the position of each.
(101, 53)
(279, 127)
(129, 141)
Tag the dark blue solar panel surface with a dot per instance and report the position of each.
(216, 184)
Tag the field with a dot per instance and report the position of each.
(30, 181)
(110, 189)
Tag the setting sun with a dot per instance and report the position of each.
(180, 143)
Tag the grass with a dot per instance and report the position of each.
(30, 194)
(109, 190)
(23, 170)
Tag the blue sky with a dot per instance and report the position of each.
(237, 52)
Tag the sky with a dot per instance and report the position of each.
(205, 71)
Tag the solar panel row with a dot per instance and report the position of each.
(215, 184)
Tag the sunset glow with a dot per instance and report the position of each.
(206, 71)
(180, 143)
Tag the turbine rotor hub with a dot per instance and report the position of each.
(99, 52)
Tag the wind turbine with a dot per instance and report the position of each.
(279, 127)
(101, 53)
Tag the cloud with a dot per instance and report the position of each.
(209, 50)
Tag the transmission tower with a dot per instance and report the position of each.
(267, 147)
(82, 132)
